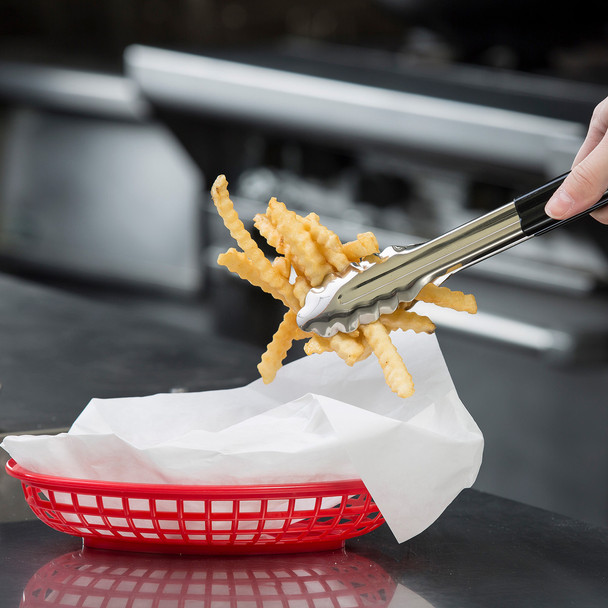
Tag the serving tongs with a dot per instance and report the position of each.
(371, 288)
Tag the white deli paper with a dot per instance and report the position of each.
(319, 420)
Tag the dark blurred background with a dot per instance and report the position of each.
(404, 117)
(514, 34)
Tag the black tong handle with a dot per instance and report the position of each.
(531, 208)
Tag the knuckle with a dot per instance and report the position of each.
(599, 117)
(584, 181)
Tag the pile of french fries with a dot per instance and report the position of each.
(307, 251)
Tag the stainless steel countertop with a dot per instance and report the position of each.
(483, 551)
(60, 350)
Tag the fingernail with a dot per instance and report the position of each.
(559, 204)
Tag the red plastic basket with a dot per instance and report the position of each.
(98, 579)
(201, 519)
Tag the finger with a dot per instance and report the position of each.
(601, 215)
(598, 126)
(585, 185)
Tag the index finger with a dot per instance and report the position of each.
(598, 126)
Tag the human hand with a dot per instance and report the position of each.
(588, 179)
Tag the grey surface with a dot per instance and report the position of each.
(102, 198)
(544, 416)
(347, 112)
(483, 551)
(58, 351)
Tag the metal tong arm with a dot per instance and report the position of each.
(498, 230)
(362, 294)
(402, 271)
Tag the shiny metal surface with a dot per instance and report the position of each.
(87, 196)
(72, 90)
(348, 112)
(483, 551)
(364, 293)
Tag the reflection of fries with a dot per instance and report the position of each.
(307, 252)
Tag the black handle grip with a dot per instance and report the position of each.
(531, 208)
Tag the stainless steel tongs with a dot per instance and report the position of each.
(367, 290)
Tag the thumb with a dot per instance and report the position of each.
(585, 185)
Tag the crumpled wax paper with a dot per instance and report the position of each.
(319, 420)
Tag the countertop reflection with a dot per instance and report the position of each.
(483, 551)
(99, 579)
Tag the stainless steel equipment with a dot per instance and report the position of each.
(373, 125)
(90, 186)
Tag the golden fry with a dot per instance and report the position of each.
(306, 257)
(365, 244)
(225, 207)
(276, 351)
(308, 252)
(269, 231)
(404, 319)
(269, 281)
(317, 345)
(327, 241)
(347, 347)
(300, 289)
(282, 266)
(443, 296)
(395, 373)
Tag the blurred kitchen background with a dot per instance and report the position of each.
(406, 117)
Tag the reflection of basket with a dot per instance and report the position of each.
(102, 580)
(203, 519)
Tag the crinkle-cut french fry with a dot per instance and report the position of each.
(351, 349)
(366, 352)
(406, 305)
(365, 244)
(300, 288)
(404, 319)
(397, 377)
(282, 266)
(276, 351)
(347, 347)
(308, 251)
(316, 345)
(444, 296)
(277, 283)
(328, 242)
(225, 207)
(269, 231)
(269, 280)
(306, 257)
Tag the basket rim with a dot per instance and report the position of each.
(53, 482)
